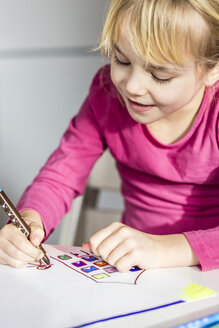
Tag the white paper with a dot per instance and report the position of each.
(65, 296)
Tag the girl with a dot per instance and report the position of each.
(156, 108)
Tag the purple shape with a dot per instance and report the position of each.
(89, 258)
(111, 270)
(89, 269)
(79, 264)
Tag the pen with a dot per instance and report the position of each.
(17, 220)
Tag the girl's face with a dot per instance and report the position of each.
(154, 93)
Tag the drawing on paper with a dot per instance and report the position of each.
(40, 265)
(94, 268)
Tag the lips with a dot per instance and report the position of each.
(138, 107)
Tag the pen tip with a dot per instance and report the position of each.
(46, 260)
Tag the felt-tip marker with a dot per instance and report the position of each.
(17, 220)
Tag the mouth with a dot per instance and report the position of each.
(138, 107)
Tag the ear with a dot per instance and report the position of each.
(212, 76)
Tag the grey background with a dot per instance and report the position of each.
(46, 66)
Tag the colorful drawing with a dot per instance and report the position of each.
(64, 257)
(134, 268)
(101, 263)
(87, 263)
(79, 263)
(80, 254)
(89, 269)
(89, 258)
(44, 267)
(111, 270)
(100, 275)
(39, 265)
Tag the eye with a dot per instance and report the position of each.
(119, 62)
(159, 80)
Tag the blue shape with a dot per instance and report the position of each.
(89, 269)
(135, 268)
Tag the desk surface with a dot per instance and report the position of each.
(63, 298)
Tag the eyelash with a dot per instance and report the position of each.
(117, 61)
(161, 81)
(155, 78)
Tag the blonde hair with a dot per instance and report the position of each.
(165, 30)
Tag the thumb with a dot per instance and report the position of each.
(37, 233)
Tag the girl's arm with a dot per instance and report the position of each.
(65, 174)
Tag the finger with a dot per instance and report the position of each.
(11, 251)
(16, 249)
(20, 242)
(116, 254)
(37, 233)
(125, 263)
(8, 260)
(86, 246)
(101, 235)
(110, 245)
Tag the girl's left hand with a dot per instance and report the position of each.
(124, 247)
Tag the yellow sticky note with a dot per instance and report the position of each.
(193, 292)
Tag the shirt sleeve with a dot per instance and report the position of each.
(205, 244)
(65, 174)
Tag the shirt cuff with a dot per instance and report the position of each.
(199, 250)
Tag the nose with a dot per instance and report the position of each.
(136, 82)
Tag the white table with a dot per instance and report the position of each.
(62, 298)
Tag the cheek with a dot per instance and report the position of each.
(165, 96)
(117, 75)
(181, 91)
(113, 77)
(172, 95)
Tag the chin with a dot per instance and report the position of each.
(140, 118)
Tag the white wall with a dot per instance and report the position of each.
(45, 72)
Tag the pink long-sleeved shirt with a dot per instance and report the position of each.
(167, 189)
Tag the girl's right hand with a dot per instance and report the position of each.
(15, 249)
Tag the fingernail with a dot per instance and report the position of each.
(85, 245)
